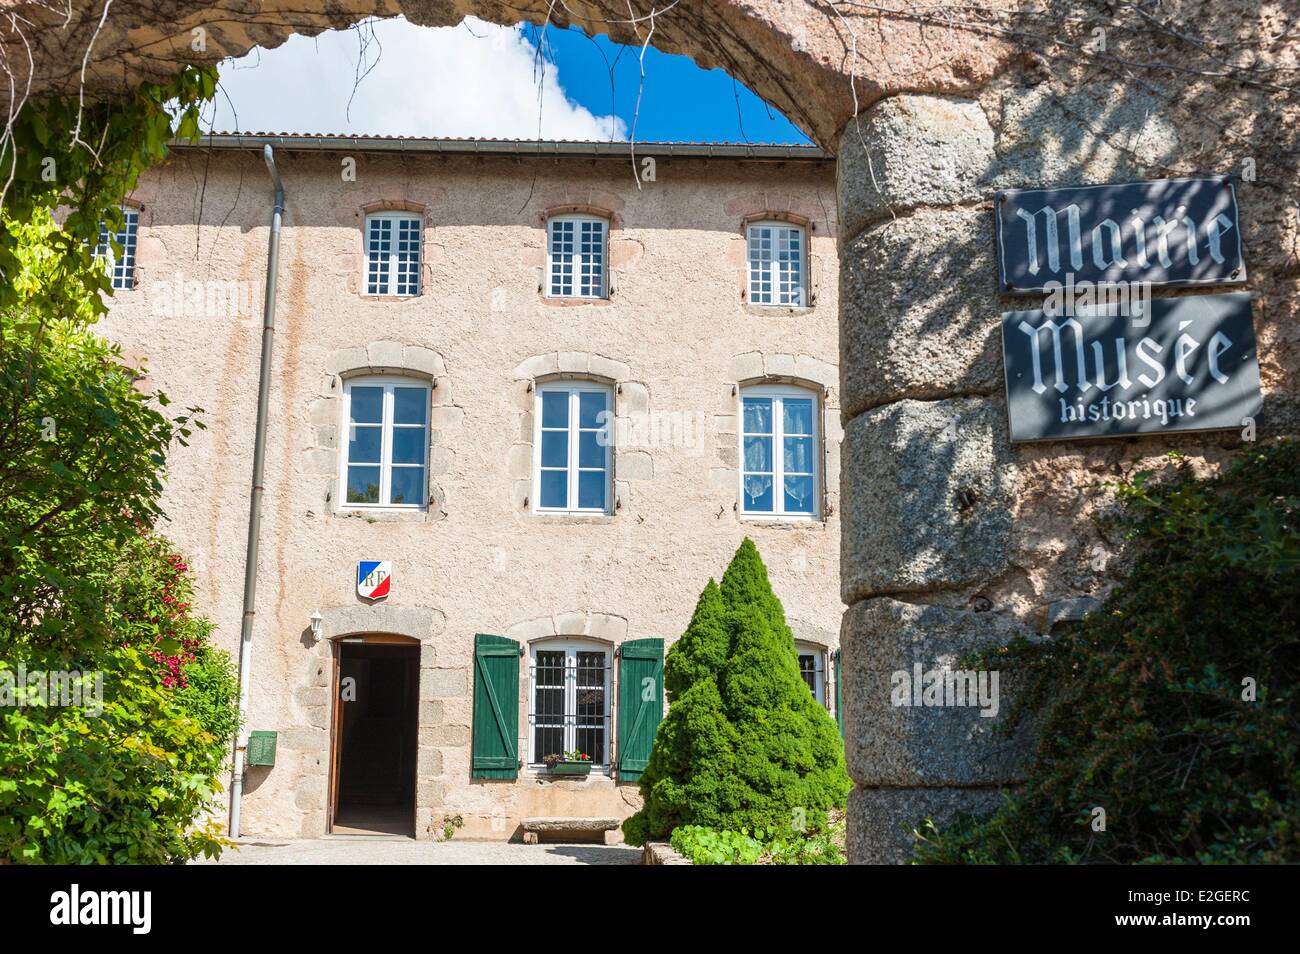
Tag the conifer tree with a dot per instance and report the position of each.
(703, 648)
(745, 745)
(745, 583)
(688, 780)
(789, 758)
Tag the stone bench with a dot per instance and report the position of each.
(584, 829)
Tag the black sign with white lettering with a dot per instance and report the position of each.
(1191, 366)
(1166, 232)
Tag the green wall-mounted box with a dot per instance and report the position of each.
(261, 748)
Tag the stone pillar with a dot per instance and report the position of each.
(929, 485)
(951, 541)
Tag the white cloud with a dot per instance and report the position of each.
(472, 80)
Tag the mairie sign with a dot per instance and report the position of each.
(1192, 367)
(374, 579)
(1175, 232)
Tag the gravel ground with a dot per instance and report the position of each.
(406, 851)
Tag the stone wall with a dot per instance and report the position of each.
(954, 540)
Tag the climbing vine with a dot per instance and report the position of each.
(75, 162)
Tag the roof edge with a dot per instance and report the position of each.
(521, 148)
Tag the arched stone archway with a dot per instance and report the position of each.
(952, 539)
(818, 62)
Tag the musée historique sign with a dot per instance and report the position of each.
(1101, 357)
(1191, 366)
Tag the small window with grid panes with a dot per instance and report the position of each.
(117, 250)
(777, 257)
(576, 250)
(393, 255)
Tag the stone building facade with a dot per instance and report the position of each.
(670, 339)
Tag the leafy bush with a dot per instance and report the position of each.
(708, 846)
(210, 696)
(124, 771)
(745, 746)
(124, 777)
(1175, 708)
(123, 785)
(816, 848)
(81, 453)
(85, 587)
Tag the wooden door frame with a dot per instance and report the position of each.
(336, 714)
(336, 710)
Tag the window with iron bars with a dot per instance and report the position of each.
(393, 255)
(812, 667)
(568, 701)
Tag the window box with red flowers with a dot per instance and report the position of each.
(570, 763)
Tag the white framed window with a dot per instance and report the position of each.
(568, 700)
(780, 468)
(384, 461)
(812, 668)
(776, 264)
(121, 266)
(573, 441)
(576, 252)
(393, 254)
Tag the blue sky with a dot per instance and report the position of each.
(679, 100)
(390, 77)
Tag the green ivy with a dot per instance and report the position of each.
(84, 158)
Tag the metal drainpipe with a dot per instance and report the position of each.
(255, 500)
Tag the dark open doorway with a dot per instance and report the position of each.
(375, 744)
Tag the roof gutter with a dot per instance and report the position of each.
(510, 147)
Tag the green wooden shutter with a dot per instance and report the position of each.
(640, 704)
(496, 708)
(839, 693)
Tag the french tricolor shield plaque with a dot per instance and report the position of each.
(374, 579)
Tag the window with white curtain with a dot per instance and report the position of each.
(568, 700)
(776, 264)
(576, 252)
(573, 447)
(387, 442)
(393, 254)
(779, 452)
(120, 261)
